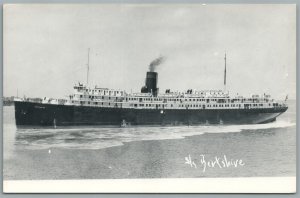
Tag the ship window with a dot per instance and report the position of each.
(96, 103)
(108, 103)
(80, 96)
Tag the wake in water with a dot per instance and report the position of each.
(98, 138)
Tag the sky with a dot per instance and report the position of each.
(46, 47)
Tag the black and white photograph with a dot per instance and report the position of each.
(149, 98)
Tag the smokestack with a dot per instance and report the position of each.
(151, 83)
(151, 77)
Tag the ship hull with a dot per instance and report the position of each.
(37, 114)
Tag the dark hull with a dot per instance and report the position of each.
(36, 114)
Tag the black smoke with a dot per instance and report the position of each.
(155, 63)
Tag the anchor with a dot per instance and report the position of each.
(54, 123)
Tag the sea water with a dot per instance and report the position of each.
(265, 149)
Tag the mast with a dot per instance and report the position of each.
(88, 68)
(225, 73)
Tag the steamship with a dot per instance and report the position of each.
(103, 106)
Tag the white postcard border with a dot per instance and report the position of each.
(183, 185)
